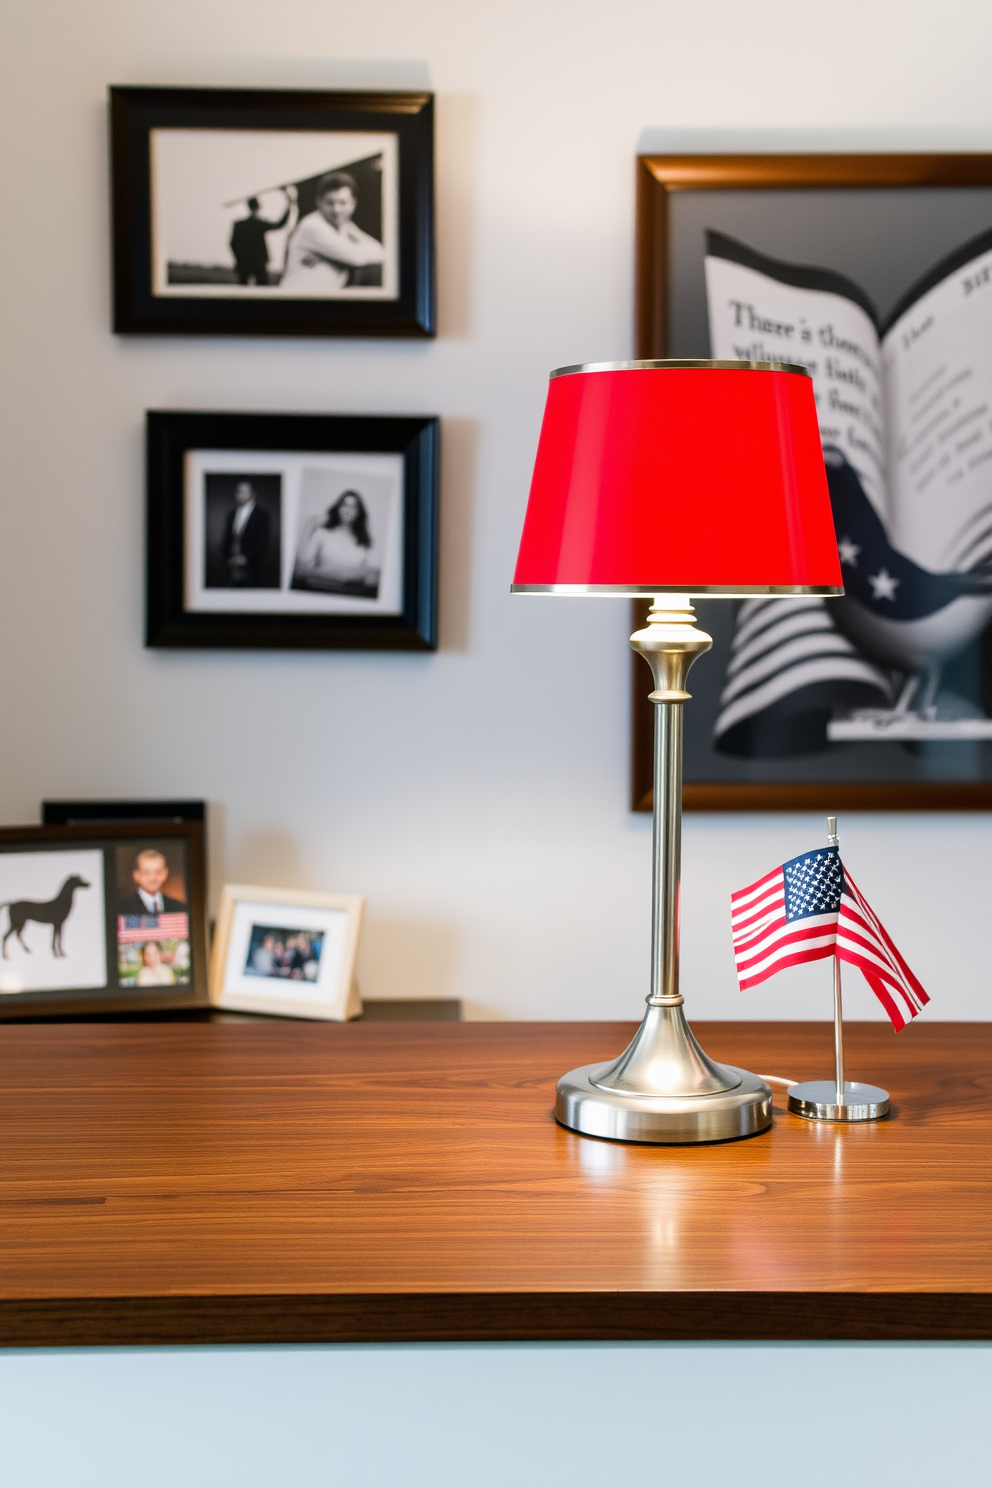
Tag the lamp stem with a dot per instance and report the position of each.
(667, 850)
(664, 1088)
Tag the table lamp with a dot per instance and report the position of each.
(673, 479)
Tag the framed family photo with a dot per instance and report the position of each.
(247, 212)
(102, 917)
(293, 531)
(286, 951)
(875, 273)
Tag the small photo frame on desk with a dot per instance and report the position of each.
(243, 212)
(296, 531)
(102, 917)
(288, 952)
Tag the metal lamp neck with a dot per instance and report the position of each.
(669, 643)
(664, 1088)
(665, 1059)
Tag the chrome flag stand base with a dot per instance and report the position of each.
(663, 1088)
(817, 1101)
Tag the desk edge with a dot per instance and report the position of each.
(494, 1317)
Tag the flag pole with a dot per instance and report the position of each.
(834, 841)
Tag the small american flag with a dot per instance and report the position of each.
(811, 908)
(135, 929)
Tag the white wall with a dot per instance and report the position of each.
(477, 796)
(484, 1415)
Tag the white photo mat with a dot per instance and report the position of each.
(310, 483)
(27, 962)
(331, 923)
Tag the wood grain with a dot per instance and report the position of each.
(197, 1182)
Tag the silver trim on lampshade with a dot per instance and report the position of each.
(667, 366)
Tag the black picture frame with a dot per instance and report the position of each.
(172, 435)
(105, 838)
(882, 209)
(139, 308)
(73, 813)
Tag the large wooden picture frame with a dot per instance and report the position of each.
(248, 212)
(874, 197)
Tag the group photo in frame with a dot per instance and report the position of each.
(284, 213)
(286, 952)
(292, 531)
(875, 273)
(102, 917)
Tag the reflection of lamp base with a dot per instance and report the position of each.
(817, 1101)
(586, 1107)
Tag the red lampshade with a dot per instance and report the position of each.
(684, 477)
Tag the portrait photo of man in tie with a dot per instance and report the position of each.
(150, 874)
(243, 521)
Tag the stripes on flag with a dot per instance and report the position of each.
(863, 941)
(765, 941)
(138, 929)
(811, 908)
(787, 658)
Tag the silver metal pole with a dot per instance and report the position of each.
(666, 850)
(834, 841)
(838, 1034)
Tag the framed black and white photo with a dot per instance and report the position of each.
(243, 212)
(292, 531)
(874, 272)
(286, 951)
(102, 917)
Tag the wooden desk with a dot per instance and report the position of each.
(300, 1182)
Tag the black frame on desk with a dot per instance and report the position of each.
(172, 435)
(137, 308)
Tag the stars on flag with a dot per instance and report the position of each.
(813, 884)
(883, 585)
(848, 551)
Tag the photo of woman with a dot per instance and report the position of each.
(154, 971)
(335, 556)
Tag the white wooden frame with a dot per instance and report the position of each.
(334, 996)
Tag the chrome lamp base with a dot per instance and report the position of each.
(663, 1088)
(741, 1112)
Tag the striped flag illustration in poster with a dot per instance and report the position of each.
(907, 442)
(810, 908)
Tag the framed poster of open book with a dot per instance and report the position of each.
(875, 272)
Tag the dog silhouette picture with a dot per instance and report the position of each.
(52, 912)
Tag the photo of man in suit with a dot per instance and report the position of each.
(150, 874)
(248, 241)
(247, 538)
(243, 520)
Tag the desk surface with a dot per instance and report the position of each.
(302, 1182)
